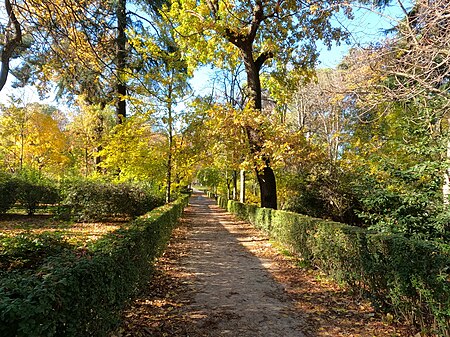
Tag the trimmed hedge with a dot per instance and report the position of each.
(8, 190)
(211, 195)
(82, 293)
(30, 195)
(407, 276)
(92, 201)
(28, 191)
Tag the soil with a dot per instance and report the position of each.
(221, 277)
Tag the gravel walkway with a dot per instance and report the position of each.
(235, 295)
(221, 277)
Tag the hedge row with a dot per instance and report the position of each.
(82, 293)
(409, 277)
(95, 201)
(28, 193)
(81, 200)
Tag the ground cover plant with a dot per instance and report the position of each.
(26, 241)
(100, 277)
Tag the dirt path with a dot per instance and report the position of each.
(220, 277)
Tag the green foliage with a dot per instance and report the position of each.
(209, 177)
(322, 192)
(415, 211)
(82, 294)
(90, 200)
(222, 201)
(29, 188)
(408, 276)
(27, 250)
(30, 195)
(8, 192)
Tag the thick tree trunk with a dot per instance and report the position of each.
(121, 108)
(265, 176)
(267, 187)
(9, 44)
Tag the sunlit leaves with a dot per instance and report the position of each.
(133, 152)
(227, 127)
(287, 29)
(32, 137)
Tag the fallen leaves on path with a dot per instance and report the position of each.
(156, 312)
(327, 309)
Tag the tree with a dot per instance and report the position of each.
(163, 86)
(11, 35)
(256, 32)
(82, 48)
(31, 137)
(87, 132)
(412, 69)
(133, 152)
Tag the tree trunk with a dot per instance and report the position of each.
(169, 177)
(242, 185)
(170, 134)
(266, 176)
(234, 194)
(170, 137)
(121, 108)
(267, 187)
(9, 44)
(446, 185)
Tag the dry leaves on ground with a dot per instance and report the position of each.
(328, 309)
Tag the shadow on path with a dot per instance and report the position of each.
(221, 277)
(234, 294)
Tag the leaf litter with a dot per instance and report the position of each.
(175, 300)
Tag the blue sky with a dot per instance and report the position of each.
(366, 27)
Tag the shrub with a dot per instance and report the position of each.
(8, 189)
(30, 195)
(222, 201)
(90, 200)
(27, 250)
(408, 276)
(28, 188)
(83, 294)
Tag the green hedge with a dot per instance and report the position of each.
(8, 192)
(92, 201)
(29, 191)
(211, 195)
(82, 293)
(409, 277)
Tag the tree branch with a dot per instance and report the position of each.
(10, 45)
(258, 17)
(263, 57)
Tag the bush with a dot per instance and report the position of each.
(30, 195)
(27, 250)
(83, 294)
(28, 188)
(91, 201)
(8, 189)
(408, 276)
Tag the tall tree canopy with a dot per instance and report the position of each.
(260, 33)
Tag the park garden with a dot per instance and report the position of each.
(133, 101)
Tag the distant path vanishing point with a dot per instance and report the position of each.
(234, 294)
(221, 277)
